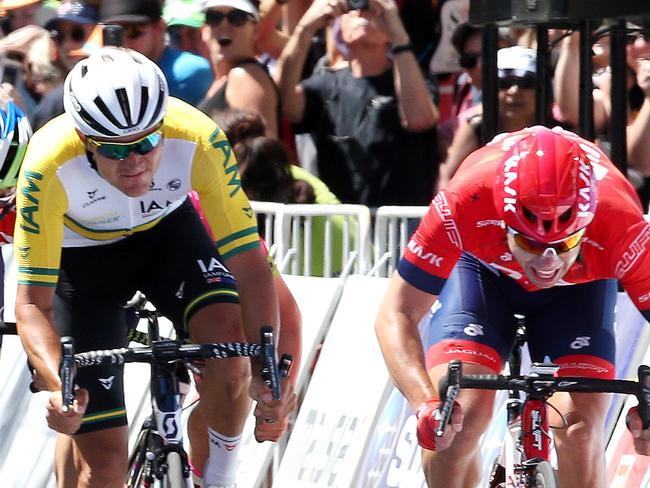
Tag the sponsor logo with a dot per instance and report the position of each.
(214, 271)
(107, 383)
(23, 251)
(509, 178)
(153, 186)
(93, 198)
(170, 426)
(147, 208)
(174, 184)
(580, 342)
(635, 251)
(473, 330)
(470, 352)
(229, 163)
(645, 297)
(248, 212)
(442, 207)
(430, 257)
(506, 257)
(27, 211)
(536, 428)
(181, 290)
(585, 366)
(322, 456)
(486, 223)
(593, 243)
(564, 384)
(584, 178)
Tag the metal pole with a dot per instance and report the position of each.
(618, 116)
(543, 78)
(586, 99)
(490, 95)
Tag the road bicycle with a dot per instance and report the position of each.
(524, 459)
(158, 458)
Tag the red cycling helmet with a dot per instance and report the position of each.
(545, 186)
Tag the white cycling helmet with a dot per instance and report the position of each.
(114, 93)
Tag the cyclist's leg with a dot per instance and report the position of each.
(475, 324)
(199, 295)
(92, 315)
(576, 329)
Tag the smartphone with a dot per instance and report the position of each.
(11, 72)
(358, 4)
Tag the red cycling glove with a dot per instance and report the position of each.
(428, 417)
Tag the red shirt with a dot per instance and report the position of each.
(463, 218)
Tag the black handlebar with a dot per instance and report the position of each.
(540, 385)
(165, 351)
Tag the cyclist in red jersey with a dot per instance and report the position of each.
(540, 223)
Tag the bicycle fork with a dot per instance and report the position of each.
(527, 443)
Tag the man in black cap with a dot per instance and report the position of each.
(188, 75)
(70, 29)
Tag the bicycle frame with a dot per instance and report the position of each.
(162, 432)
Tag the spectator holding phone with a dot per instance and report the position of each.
(373, 121)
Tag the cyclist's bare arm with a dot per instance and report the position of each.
(396, 326)
(257, 297)
(41, 341)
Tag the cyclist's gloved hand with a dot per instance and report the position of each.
(272, 416)
(428, 417)
(641, 437)
(70, 421)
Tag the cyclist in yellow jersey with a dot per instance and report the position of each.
(102, 212)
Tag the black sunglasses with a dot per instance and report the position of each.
(236, 18)
(133, 31)
(508, 82)
(469, 60)
(77, 34)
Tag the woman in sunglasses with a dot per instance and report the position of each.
(524, 217)
(517, 75)
(241, 81)
(102, 212)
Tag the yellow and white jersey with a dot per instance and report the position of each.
(63, 202)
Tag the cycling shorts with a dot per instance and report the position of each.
(474, 321)
(175, 264)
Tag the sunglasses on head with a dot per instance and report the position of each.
(120, 150)
(236, 18)
(76, 34)
(507, 82)
(534, 246)
(469, 60)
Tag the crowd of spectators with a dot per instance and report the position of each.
(377, 103)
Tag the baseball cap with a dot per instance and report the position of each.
(516, 61)
(130, 11)
(77, 11)
(243, 5)
(184, 12)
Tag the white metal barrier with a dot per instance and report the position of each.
(268, 214)
(320, 240)
(393, 228)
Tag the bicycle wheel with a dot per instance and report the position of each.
(544, 476)
(174, 477)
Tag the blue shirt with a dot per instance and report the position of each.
(188, 75)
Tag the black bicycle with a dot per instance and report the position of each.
(524, 460)
(158, 459)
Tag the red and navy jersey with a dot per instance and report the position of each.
(463, 218)
(7, 222)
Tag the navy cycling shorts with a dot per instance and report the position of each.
(571, 325)
(175, 264)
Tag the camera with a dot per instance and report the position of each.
(358, 4)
